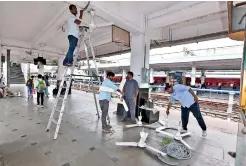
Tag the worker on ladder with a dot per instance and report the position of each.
(73, 34)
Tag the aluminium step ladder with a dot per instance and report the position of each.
(67, 78)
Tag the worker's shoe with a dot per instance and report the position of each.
(183, 131)
(68, 64)
(107, 130)
(204, 133)
(109, 126)
(123, 119)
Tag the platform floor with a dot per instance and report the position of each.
(24, 141)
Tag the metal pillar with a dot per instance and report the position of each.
(8, 67)
(193, 76)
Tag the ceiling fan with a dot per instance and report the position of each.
(142, 144)
(92, 25)
(178, 136)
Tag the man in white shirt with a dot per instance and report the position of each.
(189, 102)
(73, 34)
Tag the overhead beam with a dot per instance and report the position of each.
(201, 38)
(23, 46)
(184, 11)
(168, 33)
(174, 9)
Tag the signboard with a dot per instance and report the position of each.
(120, 36)
(236, 16)
(238, 19)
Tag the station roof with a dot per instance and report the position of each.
(39, 28)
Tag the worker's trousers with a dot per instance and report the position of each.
(195, 109)
(104, 105)
(72, 45)
(132, 108)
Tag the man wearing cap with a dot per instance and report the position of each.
(189, 102)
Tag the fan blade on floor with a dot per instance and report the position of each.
(135, 144)
(132, 125)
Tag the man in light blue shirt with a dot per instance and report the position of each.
(189, 102)
(104, 98)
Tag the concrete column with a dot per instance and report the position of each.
(8, 68)
(202, 76)
(139, 56)
(41, 69)
(151, 74)
(5, 71)
(167, 77)
(104, 74)
(61, 69)
(193, 76)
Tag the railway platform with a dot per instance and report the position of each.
(24, 141)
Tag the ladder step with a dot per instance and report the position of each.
(54, 121)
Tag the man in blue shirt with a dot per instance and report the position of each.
(104, 98)
(189, 102)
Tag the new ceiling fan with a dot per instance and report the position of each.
(142, 144)
(178, 136)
